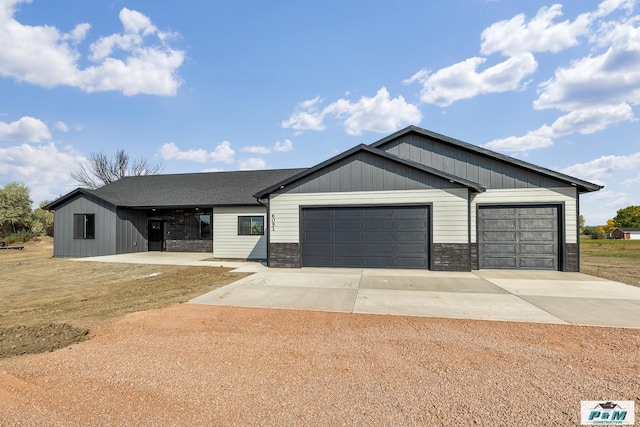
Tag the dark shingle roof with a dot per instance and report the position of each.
(185, 190)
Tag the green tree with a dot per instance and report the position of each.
(15, 208)
(581, 224)
(628, 217)
(42, 222)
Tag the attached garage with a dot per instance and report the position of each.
(519, 237)
(366, 237)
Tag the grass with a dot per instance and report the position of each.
(617, 260)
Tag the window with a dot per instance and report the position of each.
(250, 225)
(84, 226)
(204, 225)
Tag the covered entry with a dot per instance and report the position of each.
(519, 237)
(366, 236)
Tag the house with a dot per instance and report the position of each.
(213, 212)
(626, 233)
(415, 199)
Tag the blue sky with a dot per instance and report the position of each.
(210, 85)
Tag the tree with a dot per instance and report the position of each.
(628, 217)
(42, 222)
(581, 224)
(611, 225)
(15, 208)
(101, 170)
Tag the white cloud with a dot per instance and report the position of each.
(222, 153)
(306, 116)
(612, 77)
(44, 56)
(603, 167)
(584, 121)
(27, 129)
(539, 138)
(252, 163)
(43, 168)
(287, 145)
(256, 149)
(61, 126)
(378, 114)
(591, 120)
(464, 81)
(284, 146)
(540, 34)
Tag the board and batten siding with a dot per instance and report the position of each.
(226, 241)
(105, 228)
(523, 196)
(131, 231)
(449, 210)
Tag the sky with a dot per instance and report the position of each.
(220, 86)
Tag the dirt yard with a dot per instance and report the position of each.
(205, 365)
(48, 303)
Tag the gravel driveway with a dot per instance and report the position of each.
(209, 365)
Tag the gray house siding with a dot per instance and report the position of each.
(490, 172)
(131, 231)
(365, 171)
(371, 181)
(104, 242)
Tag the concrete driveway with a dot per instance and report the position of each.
(520, 296)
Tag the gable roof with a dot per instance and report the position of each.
(583, 186)
(183, 190)
(632, 230)
(475, 187)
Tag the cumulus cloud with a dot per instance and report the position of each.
(540, 34)
(285, 146)
(137, 61)
(256, 149)
(464, 81)
(252, 163)
(44, 168)
(222, 153)
(380, 113)
(584, 121)
(604, 167)
(26, 129)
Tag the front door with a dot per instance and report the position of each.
(156, 235)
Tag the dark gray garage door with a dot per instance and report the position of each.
(518, 237)
(375, 237)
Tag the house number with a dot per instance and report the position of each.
(273, 222)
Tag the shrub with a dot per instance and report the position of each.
(599, 235)
(20, 236)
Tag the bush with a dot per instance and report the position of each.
(21, 236)
(599, 235)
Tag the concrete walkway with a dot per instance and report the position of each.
(520, 296)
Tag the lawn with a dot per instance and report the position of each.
(617, 260)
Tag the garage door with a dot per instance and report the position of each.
(523, 237)
(375, 237)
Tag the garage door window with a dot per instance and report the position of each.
(250, 226)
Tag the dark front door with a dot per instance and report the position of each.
(156, 235)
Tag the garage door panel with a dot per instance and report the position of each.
(529, 239)
(536, 263)
(389, 236)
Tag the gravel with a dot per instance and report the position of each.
(204, 365)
